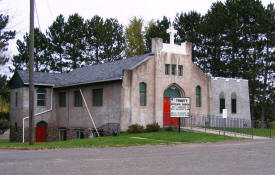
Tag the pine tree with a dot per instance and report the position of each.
(104, 40)
(41, 53)
(57, 45)
(75, 43)
(157, 30)
(189, 27)
(5, 36)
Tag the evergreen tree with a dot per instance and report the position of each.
(5, 36)
(190, 29)
(104, 40)
(75, 43)
(41, 53)
(57, 45)
(134, 38)
(4, 92)
(267, 61)
(157, 30)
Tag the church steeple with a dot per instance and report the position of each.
(171, 31)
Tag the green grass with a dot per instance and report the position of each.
(248, 131)
(125, 139)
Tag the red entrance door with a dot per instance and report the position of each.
(41, 133)
(167, 120)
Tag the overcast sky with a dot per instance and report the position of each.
(123, 10)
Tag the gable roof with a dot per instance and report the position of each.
(89, 74)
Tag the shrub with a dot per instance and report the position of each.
(4, 125)
(171, 127)
(152, 127)
(135, 128)
(4, 116)
(273, 125)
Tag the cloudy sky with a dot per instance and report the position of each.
(123, 10)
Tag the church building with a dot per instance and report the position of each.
(122, 93)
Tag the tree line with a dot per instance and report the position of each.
(71, 44)
(235, 38)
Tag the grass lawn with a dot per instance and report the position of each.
(125, 139)
(256, 131)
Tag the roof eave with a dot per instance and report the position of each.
(40, 84)
(78, 84)
(133, 67)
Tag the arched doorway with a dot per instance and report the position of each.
(41, 131)
(171, 92)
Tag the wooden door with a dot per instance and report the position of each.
(167, 120)
(41, 133)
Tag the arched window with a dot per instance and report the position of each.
(41, 97)
(172, 92)
(222, 102)
(233, 103)
(198, 96)
(142, 94)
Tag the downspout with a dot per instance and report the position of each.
(23, 128)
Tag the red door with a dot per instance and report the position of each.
(41, 133)
(167, 120)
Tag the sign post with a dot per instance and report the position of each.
(180, 108)
(224, 116)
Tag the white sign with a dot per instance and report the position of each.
(224, 113)
(180, 107)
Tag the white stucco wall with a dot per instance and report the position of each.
(229, 86)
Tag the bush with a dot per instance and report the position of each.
(135, 128)
(273, 125)
(4, 125)
(171, 127)
(152, 127)
(4, 116)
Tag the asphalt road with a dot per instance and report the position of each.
(238, 157)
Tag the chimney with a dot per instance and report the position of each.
(156, 45)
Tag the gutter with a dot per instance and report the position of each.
(77, 84)
(40, 84)
(23, 120)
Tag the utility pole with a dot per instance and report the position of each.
(31, 72)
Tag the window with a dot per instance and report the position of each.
(41, 97)
(180, 70)
(198, 96)
(97, 97)
(222, 102)
(167, 67)
(62, 99)
(142, 94)
(77, 99)
(173, 69)
(78, 134)
(16, 98)
(62, 134)
(233, 103)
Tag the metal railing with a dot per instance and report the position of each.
(235, 126)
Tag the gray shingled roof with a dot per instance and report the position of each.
(43, 78)
(84, 75)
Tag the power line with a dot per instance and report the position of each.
(49, 8)
(37, 16)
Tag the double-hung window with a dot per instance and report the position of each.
(41, 97)
(77, 99)
(97, 97)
